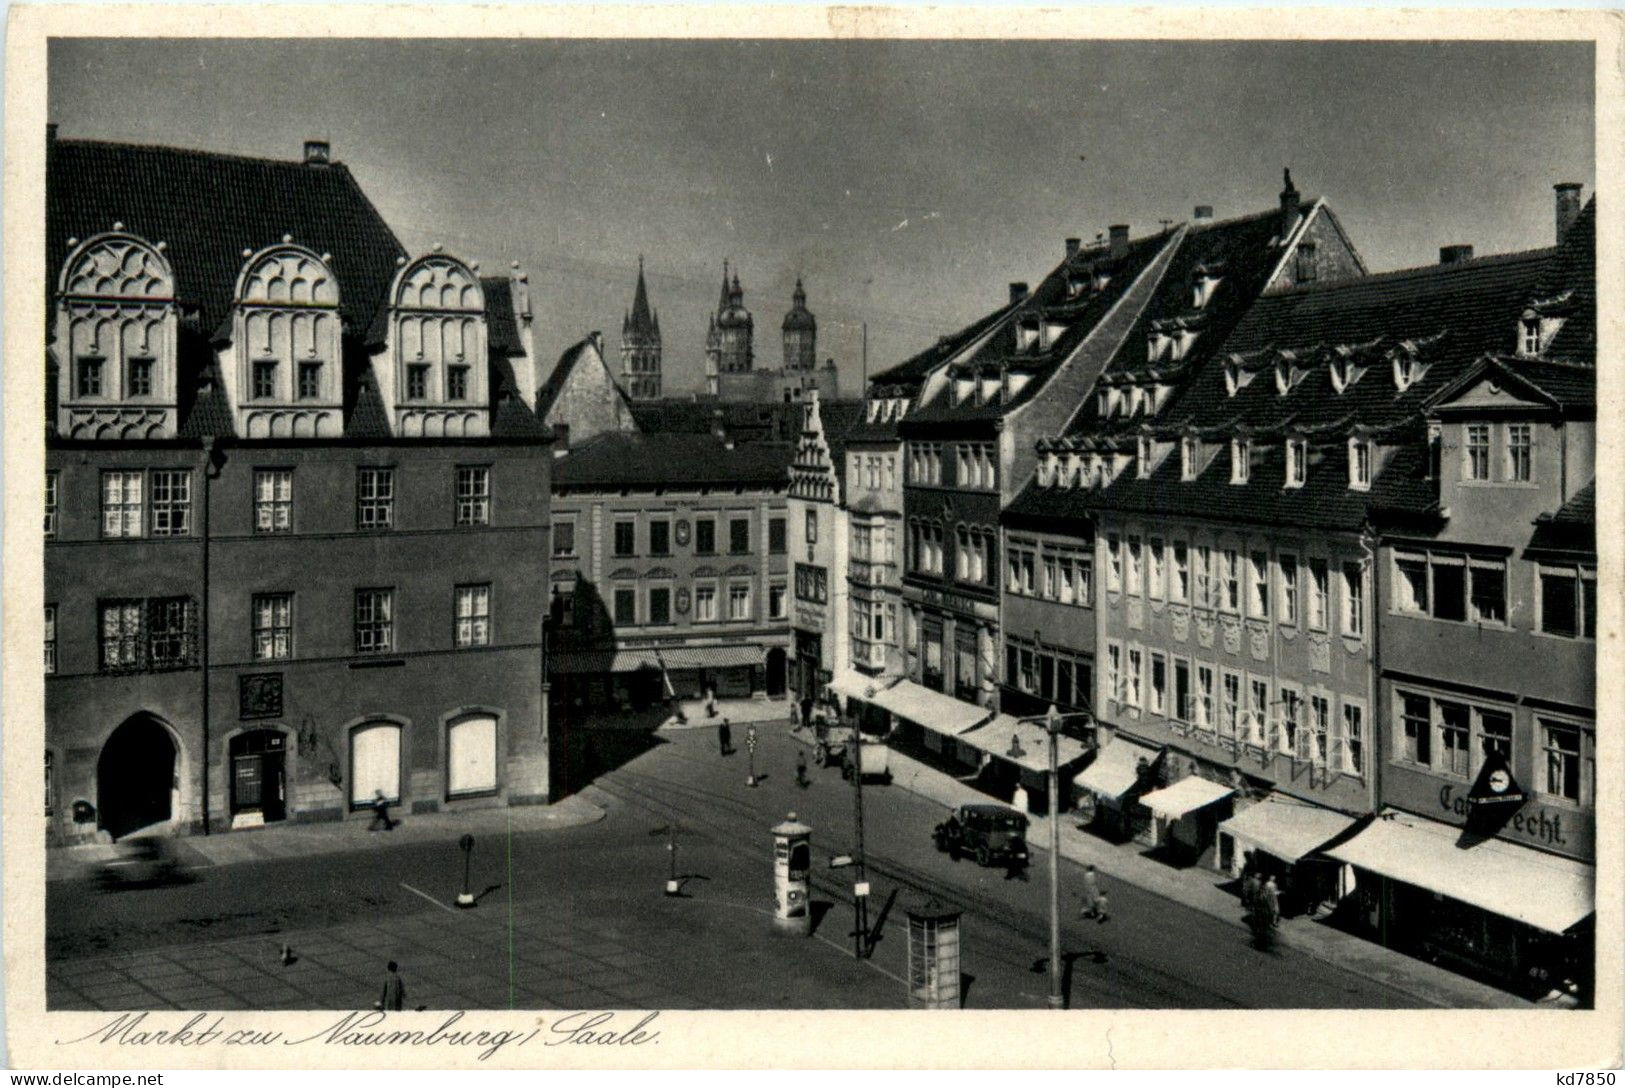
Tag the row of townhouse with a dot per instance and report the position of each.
(296, 504)
(1305, 556)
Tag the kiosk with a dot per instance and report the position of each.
(792, 859)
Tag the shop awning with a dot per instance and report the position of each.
(1289, 830)
(686, 657)
(1116, 768)
(930, 709)
(579, 663)
(1537, 889)
(995, 736)
(851, 684)
(1184, 797)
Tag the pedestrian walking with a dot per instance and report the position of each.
(725, 738)
(801, 770)
(1091, 897)
(807, 710)
(380, 812)
(394, 996)
(1250, 886)
(1269, 901)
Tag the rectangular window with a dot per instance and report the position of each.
(1183, 707)
(310, 381)
(1180, 588)
(1114, 672)
(138, 377)
(1353, 600)
(1086, 580)
(1416, 718)
(1449, 588)
(51, 479)
(659, 536)
(1203, 710)
(474, 615)
(1570, 761)
(626, 606)
(89, 375)
(659, 604)
(812, 526)
(1289, 721)
(50, 639)
(1297, 462)
(1114, 563)
(1568, 602)
(705, 604)
(1066, 585)
(123, 635)
(1230, 704)
(1411, 583)
(1052, 591)
(1258, 586)
(1027, 575)
(1156, 569)
(474, 495)
(1318, 594)
(457, 383)
(122, 502)
(776, 601)
(1495, 734)
(1359, 465)
(626, 538)
(273, 626)
(374, 621)
(705, 535)
(1258, 709)
(1287, 565)
(739, 536)
(1132, 677)
(417, 382)
(1489, 593)
(273, 500)
(1320, 721)
(1159, 683)
(171, 632)
(1131, 567)
(1229, 581)
(1204, 577)
(171, 502)
(1476, 452)
(739, 602)
(776, 537)
(564, 538)
(1520, 447)
(264, 379)
(374, 498)
(1353, 739)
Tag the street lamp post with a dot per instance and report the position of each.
(860, 888)
(1052, 722)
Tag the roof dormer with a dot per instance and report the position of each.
(1203, 283)
(1241, 459)
(1237, 375)
(1343, 369)
(1190, 457)
(116, 325)
(1536, 330)
(1289, 371)
(1158, 345)
(1408, 365)
(1361, 461)
(285, 378)
(1297, 461)
(437, 377)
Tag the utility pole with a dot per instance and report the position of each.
(860, 890)
(1052, 722)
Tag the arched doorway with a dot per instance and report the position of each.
(776, 667)
(471, 756)
(375, 763)
(135, 777)
(259, 774)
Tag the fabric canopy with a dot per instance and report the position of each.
(1537, 889)
(854, 685)
(1285, 829)
(931, 709)
(1184, 797)
(1116, 768)
(1033, 752)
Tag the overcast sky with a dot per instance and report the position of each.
(907, 182)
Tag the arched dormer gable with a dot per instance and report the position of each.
(115, 340)
(438, 373)
(285, 372)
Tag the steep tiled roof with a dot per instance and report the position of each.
(913, 370)
(210, 415)
(1563, 385)
(744, 420)
(623, 459)
(560, 377)
(1048, 301)
(1572, 279)
(209, 207)
(502, 328)
(1572, 527)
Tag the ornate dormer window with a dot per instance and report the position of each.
(1046, 470)
(1241, 460)
(437, 376)
(1287, 373)
(1072, 471)
(1157, 345)
(116, 324)
(1529, 336)
(1144, 456)
(1190, 457)
(1182, 342)
(1344, 371)
(1236, 375)
(1202, 288)
(1408, 367)
(1360, 455)
(285, 335)
(1539, 325)
(1111, 401)
(1297, 462)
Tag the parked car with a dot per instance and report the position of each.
(140, 862)
(875, 757)
(989, 833)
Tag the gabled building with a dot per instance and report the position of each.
(581, 399)
(819, 553)
(296, 503)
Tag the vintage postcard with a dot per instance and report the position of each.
(559, 537)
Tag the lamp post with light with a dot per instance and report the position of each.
(1051, 721)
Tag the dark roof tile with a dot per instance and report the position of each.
(623, 459)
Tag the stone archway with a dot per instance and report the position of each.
(776, 669)
(136, 777)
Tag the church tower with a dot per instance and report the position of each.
(735, 329)
(640, 346)
(800, 334)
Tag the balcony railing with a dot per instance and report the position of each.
(871, 572)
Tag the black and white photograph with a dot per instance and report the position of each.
(736, 523)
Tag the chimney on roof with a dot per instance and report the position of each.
(1568, 206)
(1289, 204)
(1018, 292)
(1455, 254)
(1203, 213)
(1072, 245)
(318, 153)
(1118, 232)
(597, 339)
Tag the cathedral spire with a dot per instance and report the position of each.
(641, 321)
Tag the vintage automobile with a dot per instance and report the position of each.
(987, 832)
(140, 862)
(869, 756)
